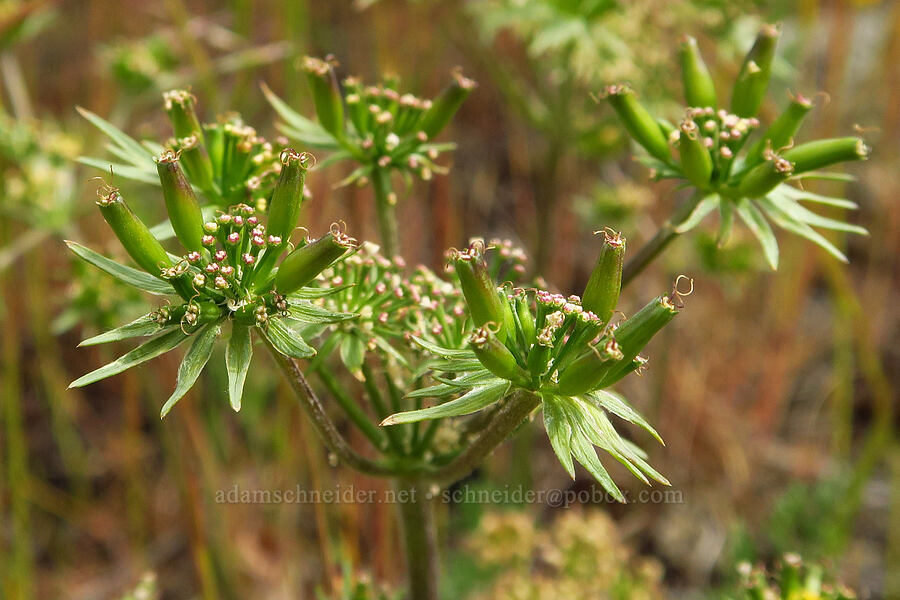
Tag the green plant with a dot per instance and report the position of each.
(792, 579)
(488, 355)
(760, 181)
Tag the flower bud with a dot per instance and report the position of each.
(753, 79)
(496, 357)
(181, 204)
(304, 264)
(326, 94)
(764, 178)
(284, 207)
(483, 299)
(586, 372)
(639, 123)
(696, 163)
(602, 291)
(446, 104)
(698, 84)
(824, 153)
(782, 130)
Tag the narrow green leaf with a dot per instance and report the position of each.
(703, 208)
(296, 125)
(757, 224)
(726, 222)
(311, 313)
(584, 453)
(805, 215)
(617, 405)
(440, 351)
(129, 145)
(237, 360)
(353, 353)
(119, 170)
(434, 391)
(285, 340)
(783, 220)
(473, 401)
(138, 279)
(140, 327)
(194, 360)
(150, 349)
(560, 434)
(803, 196)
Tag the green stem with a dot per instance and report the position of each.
(331, 437)
(510, 415)
(419, 539)
(353, 410)
(393, 434)
(385, 207)
(666, 234)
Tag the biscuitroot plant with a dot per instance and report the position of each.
(434, 370)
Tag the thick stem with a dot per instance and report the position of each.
(332, 438)
(386, 210)
(515, 409)
(667, 232)
(419, 539)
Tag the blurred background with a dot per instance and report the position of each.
(776, 393)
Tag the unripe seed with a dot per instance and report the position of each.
(782, 130)
(446, 104)
(639, 123)
(180, 107)
(181, 203)
(134, 236)
(698, 84)
(305, 263)
(753, 79)
(824, 153)
(483, 299)
(496, 357)
(695, 159)
(585, 372)
(284, 207)
(763, 178)
(602, 291)
(326, 94)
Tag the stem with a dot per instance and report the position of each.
(515, 409)
(385, 207)
(419, 539)
(658, 242)
(332, 438)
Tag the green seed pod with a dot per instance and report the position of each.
(181, 204)
(764, 178)
(824, 153)
(639, 123)
(781, 131)
(496, 357)
(284, 206)
(134, 236)
(636, 332)
(612, 378)
(753, 79)
(539, 354)
(525, 318)
(699, 90)
(602, 291)
(326, 94)
(482, 298)
(586, 372)
(180, 107)
(695, 159)
(304, 264)
(446, 104)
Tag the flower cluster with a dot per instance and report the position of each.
(227, 161)
(377, 126)
(711, 149)
(566, 349)
(230, 271)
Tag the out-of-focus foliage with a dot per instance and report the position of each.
(579, 555)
